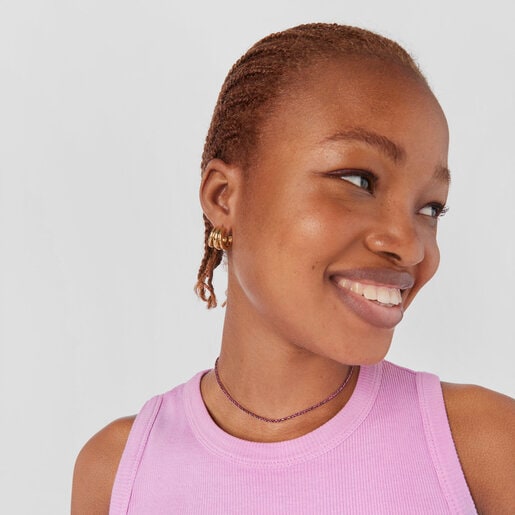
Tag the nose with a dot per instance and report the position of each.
(395, 237)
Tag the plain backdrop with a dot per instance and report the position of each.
(104, 106)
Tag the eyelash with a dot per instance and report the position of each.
(363, 174)
(441, 209)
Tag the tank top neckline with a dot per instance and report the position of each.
(277, 454)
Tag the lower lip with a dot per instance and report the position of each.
(370, 311)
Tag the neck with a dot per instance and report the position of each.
(286, 417)
(274, 379)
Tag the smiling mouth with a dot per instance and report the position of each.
(382, 295)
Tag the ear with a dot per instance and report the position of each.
(219, 191)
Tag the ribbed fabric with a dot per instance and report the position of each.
(388, 451)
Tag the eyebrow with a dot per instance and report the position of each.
(442, 173)
(392, 150)
(395, 152)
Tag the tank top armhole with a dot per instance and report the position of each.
(131, 456)
(441, 445)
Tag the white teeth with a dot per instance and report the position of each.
(395, 296)
(357, 288)
(345, 284)
(381, 294)
(370, 292)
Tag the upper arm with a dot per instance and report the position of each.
(96, 466)
(483, 428)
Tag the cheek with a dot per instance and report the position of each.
(432, 260)
(316, 236)
(302, 234)
(279, 249)
(426, 269)
(283, 217)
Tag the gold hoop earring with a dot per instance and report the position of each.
(219, 239)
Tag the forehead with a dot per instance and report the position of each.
(367, 94)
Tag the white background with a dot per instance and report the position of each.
(104, 106)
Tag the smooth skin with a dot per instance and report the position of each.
(349, 173)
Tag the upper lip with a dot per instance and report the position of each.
(378, 276)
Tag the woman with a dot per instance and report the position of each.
(323, 177)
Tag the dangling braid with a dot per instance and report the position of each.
(210, 261)
(261, 76)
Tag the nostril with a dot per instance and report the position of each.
(391, 255)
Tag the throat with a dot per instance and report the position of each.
(254, 422)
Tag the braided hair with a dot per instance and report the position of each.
(258, 78)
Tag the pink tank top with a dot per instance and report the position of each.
(388, 451)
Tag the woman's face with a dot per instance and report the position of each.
(335, 227)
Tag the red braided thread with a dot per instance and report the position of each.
(288, 417)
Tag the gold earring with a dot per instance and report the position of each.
(219, 239)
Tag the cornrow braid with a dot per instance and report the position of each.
(258, 78)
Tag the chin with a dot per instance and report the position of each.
(367, 352)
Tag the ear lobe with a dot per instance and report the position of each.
(218, 192)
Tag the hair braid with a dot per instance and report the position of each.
(212, 258)
(258, 78)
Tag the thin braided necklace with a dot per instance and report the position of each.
(282, 419)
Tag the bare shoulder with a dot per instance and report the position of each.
(483, 428)
(96, 466)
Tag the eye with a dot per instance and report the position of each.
(434, 210)
(361, 179)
